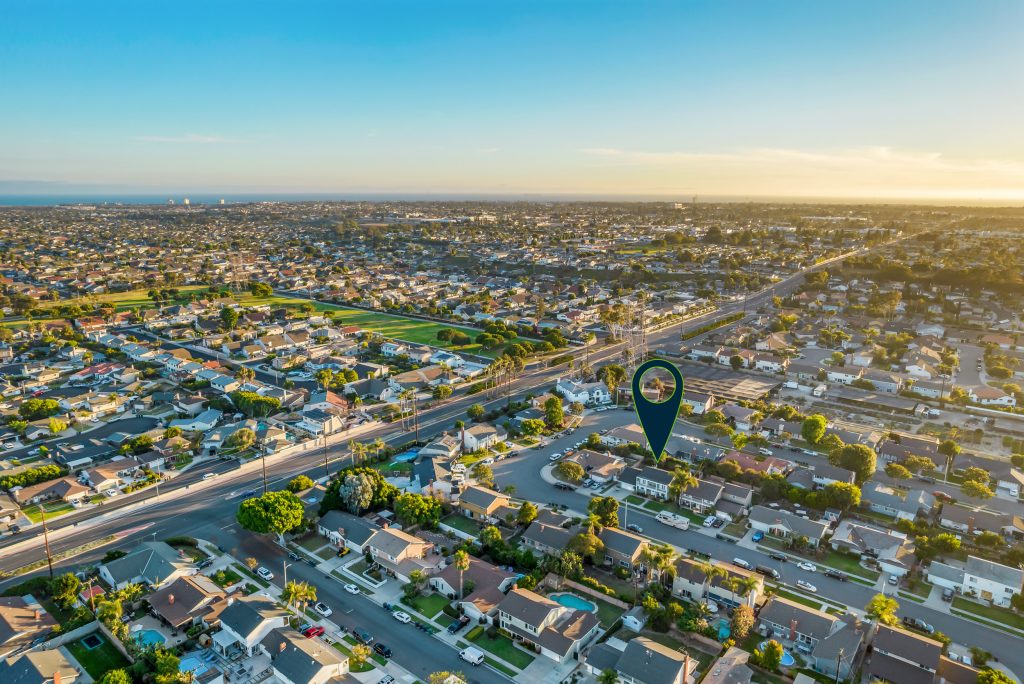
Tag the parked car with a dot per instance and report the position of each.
(717, 522)
(894, 580)
(555, 456)
(918, 624)
(314, 631)
(565, 486)
(781, 557)
(362, 635)
(709, 521)
(402, 617)
(352, 588)
(757, 536)
(739, 562)
(765, 570)
(264, 573)
(633, 527)
(806, 586)
(382, 650)
(322, 608)
(386, 679)
(205, 563)
(808, 566)
(209, 476)
(947, 595)
(835, 574)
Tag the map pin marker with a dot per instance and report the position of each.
(657, 418)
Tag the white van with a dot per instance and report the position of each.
(473, 656)
(739, 562)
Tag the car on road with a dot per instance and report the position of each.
(739, 562)
(835, 574)
(919, 624)
(781, 557)
(209, 476)
(381, 649)
(314, 631)
(294, 556)
(806, 586)
(402, 617)
(757, 536)
(110, 492)
(808, 566)
(386, 679)
(264, 573)
(943, 496)
(487, 461)
(362, 635)
(565, 486)
(769, 572)
(633, 527)
(555, 456)
(249, 494)
(322, 608)
(352, 588)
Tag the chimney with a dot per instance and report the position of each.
(970, 524)
(792, 629)
(284, 645)
(170, 599)
(36, 614)
(56, 677)
(686, 667)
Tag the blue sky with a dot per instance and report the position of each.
(858, 99)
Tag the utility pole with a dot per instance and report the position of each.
(285, 564)
(46, 538)
(263, 460)
(839, 659)
(415, 418)
(327, 469)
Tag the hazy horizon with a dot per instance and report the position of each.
(846, 100)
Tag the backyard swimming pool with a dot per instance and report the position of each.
(406, 456)
(194, 664)
(724, 630)
(787, 657)
(573, 601)
(149, 637)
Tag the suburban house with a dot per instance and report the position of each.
(599, 467)
(246, 622)
(835, 655)
(730, 668)
(153, 563)
(188, 601)
(22, 621)
(553, 630)
(549, 540)
(699, 402)
(784, 524)
(627, 434)
(484, 504)
(65, 488)
(900, 504)
(298, 660)
(40, 667)
(893, 551)
(318, 422)
(902, 657)
(113, 473)
(691, 583)
(701, 498)
(583, 392)
(653, 482)
(645, 661)
(482, 436)
(973, 521)
(621, 547)
(991, 581)
(791, 622)
(445, 446)
(483, 587)
(343, 529)
(824, 474)
(399, 553)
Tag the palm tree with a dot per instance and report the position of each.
(290, 593)
(461, 563)
(245, 374)
(682, 479)
(608, 676)
(745, 585)
(461, 425)
(324, 376)
(710, 571)
(306, 595)
(377, 445)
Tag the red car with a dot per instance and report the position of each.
(314, 632)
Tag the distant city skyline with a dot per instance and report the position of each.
(840, 100)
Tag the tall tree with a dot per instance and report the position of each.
(461, 562)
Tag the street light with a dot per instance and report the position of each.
(46, 538)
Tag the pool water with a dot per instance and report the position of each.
(193, 664)
(406, 456)
(573, 601)
(724, 630)
(149, 637)
(787, 658)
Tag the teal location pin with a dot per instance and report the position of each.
(657, 418)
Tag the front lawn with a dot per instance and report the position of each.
(500, 646)
(226, 578)
(799, 598)
(353, 667)
(97, 661)
(53, 510)
(253, 576)
(849, 564)
(995, 613)
(428, 606)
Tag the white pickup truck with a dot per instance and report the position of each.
(673, 520)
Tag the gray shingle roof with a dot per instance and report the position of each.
(986, 569)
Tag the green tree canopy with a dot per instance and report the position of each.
(271, 513)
